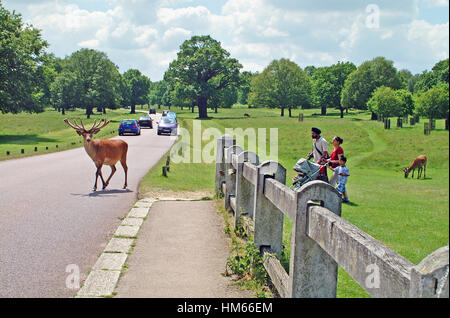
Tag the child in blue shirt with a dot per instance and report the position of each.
(343, 174)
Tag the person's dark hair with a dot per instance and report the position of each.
(343, 159)
(339, 140)
(316, 130)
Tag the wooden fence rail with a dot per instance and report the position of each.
(321, 239)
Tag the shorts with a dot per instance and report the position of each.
(341, 188)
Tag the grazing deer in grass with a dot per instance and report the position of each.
(418, 163)
(102, 152)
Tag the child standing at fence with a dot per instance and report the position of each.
(343, 174)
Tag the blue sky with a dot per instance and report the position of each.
(146, 34)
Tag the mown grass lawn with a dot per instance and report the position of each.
(408, 215)
(47, 129)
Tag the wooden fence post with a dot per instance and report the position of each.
(412, 121)
(268, 219)
(230, 174)
(300, 117)
(245, 193)
(429, 279)
(312, 272)
(222, 143)
(426, 128)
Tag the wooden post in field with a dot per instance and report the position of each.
(22, 150)
(35, 149)
(300, 117)
(432, 124)
(412, 121)
(446, 124)
(399, 123)
(426, 128)
(8, 153)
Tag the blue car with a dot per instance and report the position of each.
(129, 126)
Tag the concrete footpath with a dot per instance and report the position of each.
(181, 251)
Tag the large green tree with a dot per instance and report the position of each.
(282, 84)
(244, 87)
(434, 103)
(360, 84)
(327, 85)
(385, 102)
(97, 79)
(204, 65)
(64, 91)
(429, 79)
(21, 52)
(138, 86)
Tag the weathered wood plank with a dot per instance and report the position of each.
(378, 269)
(233, 202)
(281, 196)
(278, 275)
(249, 172)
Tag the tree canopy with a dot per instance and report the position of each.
(137, 88)
(282, 84)
(434, 103)
(21, 52)
(360, 84)
(205, 66)
(327, 85)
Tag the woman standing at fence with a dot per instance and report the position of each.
(334, 159)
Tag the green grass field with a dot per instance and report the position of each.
(47, 129)
(410, 216)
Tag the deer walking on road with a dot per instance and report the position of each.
(418, 163)
(102, 152)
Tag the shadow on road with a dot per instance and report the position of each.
(103, 193)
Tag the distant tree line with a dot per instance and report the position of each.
(205, 76)
(32, 79)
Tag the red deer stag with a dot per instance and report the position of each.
(418, 163)
(102, 152)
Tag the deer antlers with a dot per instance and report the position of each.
(94, 129)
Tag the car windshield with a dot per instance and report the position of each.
(168, 120)
(128, 122)
(144, 118)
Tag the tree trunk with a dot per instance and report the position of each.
(324, 110)
(202, 108)
(133, 109)
(88, 111)
(342, 112)
(374, 116)
(346, 110)
(104, 110)
(63, 111)
(282, 111)
(290, 112)
(215, 109)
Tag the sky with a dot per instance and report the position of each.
(147, 34)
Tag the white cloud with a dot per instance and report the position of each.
(437, 3)
(146, 34)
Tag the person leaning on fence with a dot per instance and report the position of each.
(320, 152)
(343, 174)
(334, 159)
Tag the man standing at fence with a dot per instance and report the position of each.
(320, 152)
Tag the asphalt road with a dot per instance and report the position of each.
(50, 218)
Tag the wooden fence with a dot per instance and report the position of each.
(321, 239)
